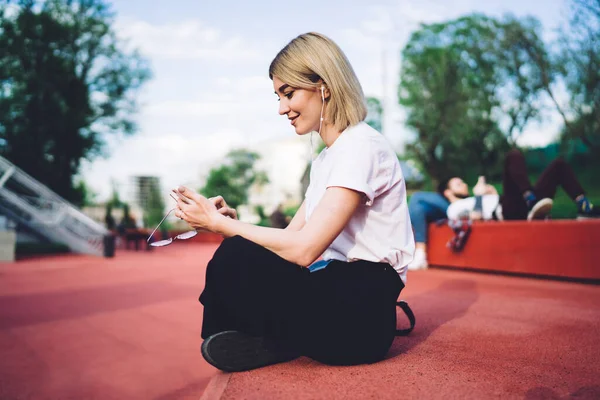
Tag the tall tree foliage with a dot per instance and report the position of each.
(374, 113)
(579, 64)
(234, 177)
(65, 82)
(522, 61)
(470, 87)
(154, 205)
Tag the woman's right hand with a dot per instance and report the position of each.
(223, 208)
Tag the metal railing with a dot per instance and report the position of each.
(28, 202)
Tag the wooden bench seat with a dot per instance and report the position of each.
(557, 248)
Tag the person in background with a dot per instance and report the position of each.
(427, 207)
(520, 200)
(278, 219)
(109, 220)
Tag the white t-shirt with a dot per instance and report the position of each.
(361, 159)
(489, 203)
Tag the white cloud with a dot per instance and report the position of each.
(404, 16)
(175, 158)
(199, 109)
(537, 136)
(187, 40)
(179, 141)
(11, 10)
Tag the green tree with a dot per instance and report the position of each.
(65, 83)
(127, 222)
(115, 199)
(234, 177)
(523, 60)
(154, 206)
(85, 193)
(375, 113)
(578, 63)
(469, 87)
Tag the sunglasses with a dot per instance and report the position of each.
(166, 242)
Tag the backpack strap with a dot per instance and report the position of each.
(411, 317)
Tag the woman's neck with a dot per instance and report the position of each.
(329, 134)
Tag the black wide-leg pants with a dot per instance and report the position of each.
(343, 314)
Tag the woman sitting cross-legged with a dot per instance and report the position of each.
(267, 299)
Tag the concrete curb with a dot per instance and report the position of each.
(216, 387)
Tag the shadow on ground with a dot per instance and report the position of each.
(449, 301)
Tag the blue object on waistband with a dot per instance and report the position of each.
(318, 265)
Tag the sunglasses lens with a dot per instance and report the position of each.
(161, 243)
(187, 235)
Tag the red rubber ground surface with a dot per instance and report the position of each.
(478, 336)
(77, 327)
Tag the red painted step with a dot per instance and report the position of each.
(558, 248)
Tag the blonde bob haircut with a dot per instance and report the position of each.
(311, 60)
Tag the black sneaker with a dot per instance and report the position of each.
(540, 209)
(233, 351)
(590, 213)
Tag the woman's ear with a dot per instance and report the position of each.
(325, 92)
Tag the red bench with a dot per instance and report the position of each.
(557, 248)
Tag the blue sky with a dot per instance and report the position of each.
(210, 91)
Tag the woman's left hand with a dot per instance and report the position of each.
(195, 209)
(223, 208)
